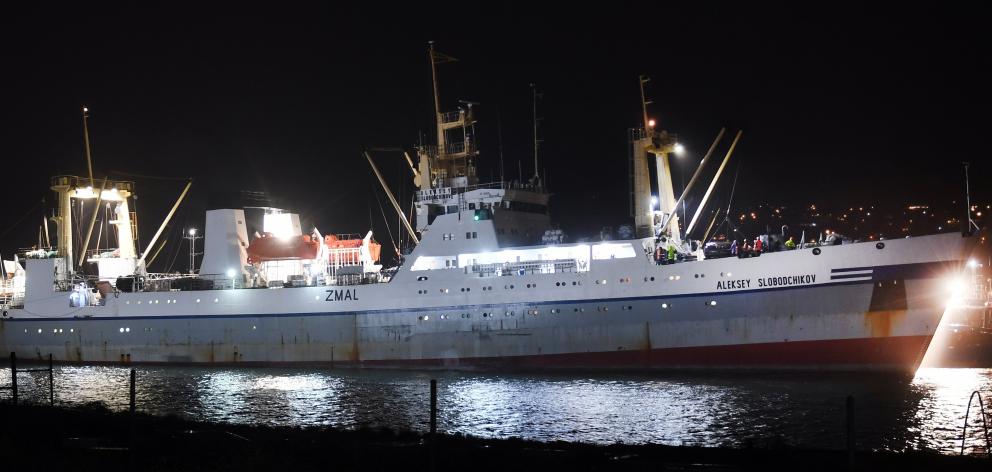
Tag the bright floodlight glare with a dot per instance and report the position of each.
(230, 273)
(654, 201)
(679, 149)
(972, 263)
(958, 287)
(192, 231)
(650, 123)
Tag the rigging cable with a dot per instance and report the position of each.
(21, 219)
(385, 220)
(730, 201)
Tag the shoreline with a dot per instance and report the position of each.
(92, 437)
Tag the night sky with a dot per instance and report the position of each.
(853, 105)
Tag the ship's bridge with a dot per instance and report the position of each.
(480, 218)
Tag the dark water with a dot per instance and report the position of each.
(925, 412)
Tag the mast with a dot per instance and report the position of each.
(644, 142)
(644, 103)
(451, 163)
(86, 142)
(437, 100)
(537, 177)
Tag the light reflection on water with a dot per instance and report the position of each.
(801, 409)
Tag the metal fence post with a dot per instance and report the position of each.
(433, 451)
(131, 395)
(850, 432)
(13, 376)
(433, 407)
(51, 382)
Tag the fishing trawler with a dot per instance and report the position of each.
(488, 284)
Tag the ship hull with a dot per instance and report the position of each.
(845, 312)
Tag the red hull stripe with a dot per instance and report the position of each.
(889, 353)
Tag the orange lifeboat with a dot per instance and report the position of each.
(270, 248)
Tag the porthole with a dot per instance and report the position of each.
(664, 306)
(711, 303)
(816, 251)
(879, 245)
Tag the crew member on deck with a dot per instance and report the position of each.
(790, 244)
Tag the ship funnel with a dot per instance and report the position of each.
(225, 242)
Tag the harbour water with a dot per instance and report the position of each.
(729, 409)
